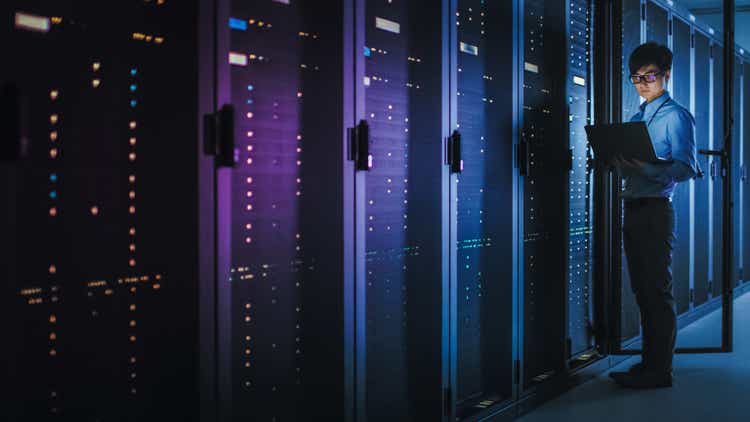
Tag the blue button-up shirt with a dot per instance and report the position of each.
(671, 128)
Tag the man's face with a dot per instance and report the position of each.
(651, 90)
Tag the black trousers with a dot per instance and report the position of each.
(648, 234)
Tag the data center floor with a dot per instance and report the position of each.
(707, 387)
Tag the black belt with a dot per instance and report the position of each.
(641, 202)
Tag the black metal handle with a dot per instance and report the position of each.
(454, 153)
(218, 136)
(13, 143)
(359, 150)
(719, 152)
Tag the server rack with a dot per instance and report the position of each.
(100, 258)
(284, 254)
(482, 187)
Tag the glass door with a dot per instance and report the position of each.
(703, 273)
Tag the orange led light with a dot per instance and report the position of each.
(157, 286)
(53, 212)
(96, 82)
(133, 125)
(131, 209)
(54, 94)
(94, 210)
(132, 323)
(53, 153)
(131, 156)
(53, 352)
(131, 262)
(132, 339)
(132, 247)
(54, 118)
(96, 66)
(131, 194)
(53, 336)
(52, 269)
(132, 141)
(132, 307)
(52, 319)
(131, 178)
(132, 231)
(53, 136)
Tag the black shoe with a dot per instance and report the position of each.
(638, 367)
(645, 379)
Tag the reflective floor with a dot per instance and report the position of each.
(707, 387)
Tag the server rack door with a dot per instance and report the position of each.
(716, 171)
(484, 204)
(400, 297)
(745, 209)
(544, 163)
(737, 217)
(632, 21)
(580, 214)
(681, 197)
(702, 113)
(280, 211)
(103, 234)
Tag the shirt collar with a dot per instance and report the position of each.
(649, 108)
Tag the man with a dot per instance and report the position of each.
(648, 230)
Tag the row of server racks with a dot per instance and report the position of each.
(287, 210)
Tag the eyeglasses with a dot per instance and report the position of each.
(648, 77)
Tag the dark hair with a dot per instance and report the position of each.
(650, 53)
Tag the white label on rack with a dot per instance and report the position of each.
(387, 25)
(32, 23)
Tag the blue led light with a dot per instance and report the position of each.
(368, 52)
(133, 87)
(249, 101)
(53, 194)
(53, 177)
(133, 72)
(240, 24)
(250, 87)
(133, 103)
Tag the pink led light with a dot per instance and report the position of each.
(369, 161)
(249, 180)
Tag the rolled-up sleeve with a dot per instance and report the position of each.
(681, 136)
